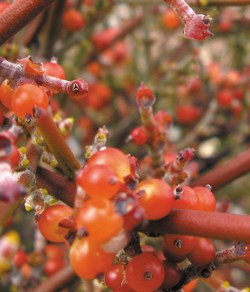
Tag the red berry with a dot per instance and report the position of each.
(99, 181)
(170, 20)
(49, 220)
(224, 98)
(207, 201)
(54, 69)
(156, 198)
(114, 276)
(188, 114)
(203, 253)
(26, 97)
(100, 219)
(145, 272)
(73, 20)
(88, 259)
(139, 136)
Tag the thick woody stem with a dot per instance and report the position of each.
(18, 14)
(56, 143)
(56, 185)
(227, 172)
(56, 281)
(204, 224)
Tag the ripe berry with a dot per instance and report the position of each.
(114, 158)
(26, 97)
(139, 136)
(114, 276)
(99, 218)
(156, 198)
(188, 200)
(52, 266)
(207, 201)
(99, 181)
(187, 114)
(88, 259)
(203, 253)
(73, 20)
(224, 98)
(6, 93)
(98, 96)
(145, 272)
(49, 220)
(172, 275)
(170, 20)
(54, 69)
(103, 39)
(179, 244)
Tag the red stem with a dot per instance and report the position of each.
(56, 281)
(227, 172)
(205, 224)
(56, 142)
(18, 14)
(56, 185)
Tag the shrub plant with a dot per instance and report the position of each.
(124, 145)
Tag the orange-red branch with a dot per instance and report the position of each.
(227, 172)
(18, 14)
(205, 224)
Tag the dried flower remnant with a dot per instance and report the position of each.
(196, 25)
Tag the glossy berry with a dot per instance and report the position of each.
(20, 258)
(114, 158)
(224, 98)
(145, 272)
(114, 276)
(203, 253)
(187, 114)
(98, 96)
(103, 39)
(98, 217)
(179, 244)
(52, 266)
(172, 275)
(72, 20)
(99, 181)
(187, 200)
(207, 200)
(49, 220)
(139, 136)
(170, 20)
(6, 93)
(88, 260)
(54, 69)
(26, 97)
(156, 198)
